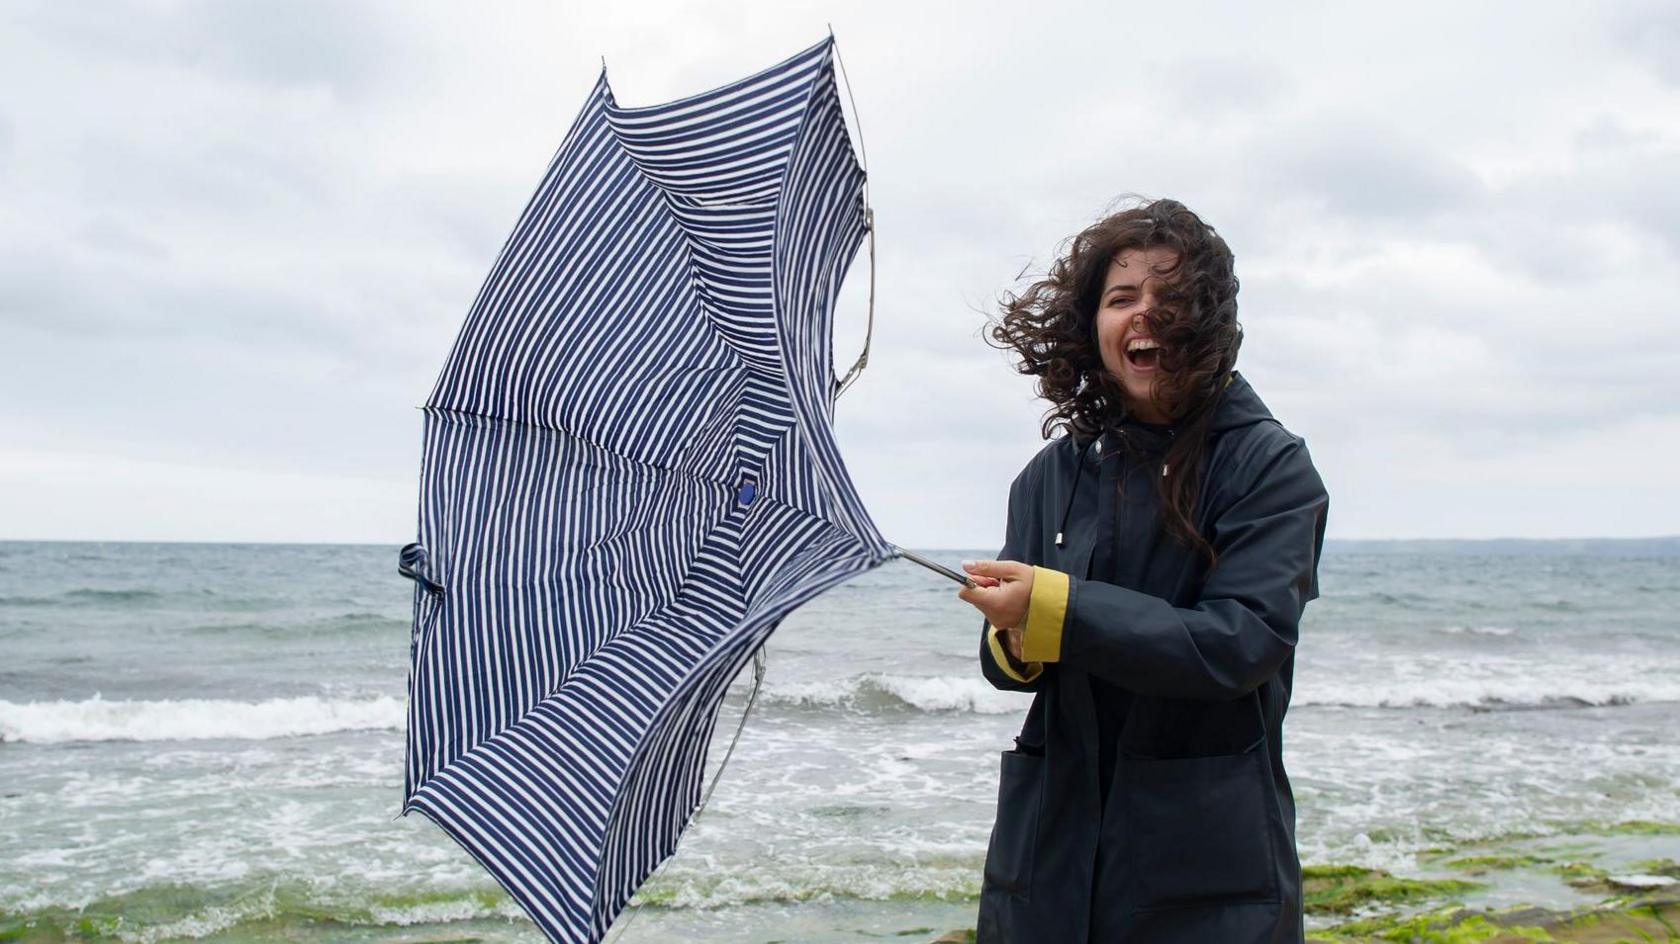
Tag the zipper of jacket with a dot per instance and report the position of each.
(1079, 472)
(1120, 504)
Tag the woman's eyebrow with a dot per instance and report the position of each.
(1125, 287)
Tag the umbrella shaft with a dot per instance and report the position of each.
(935, 567)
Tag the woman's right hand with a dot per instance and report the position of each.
(1011, 638)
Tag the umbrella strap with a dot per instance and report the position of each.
(869, 331)
(758, 680)
(868, 219)
(752, 697)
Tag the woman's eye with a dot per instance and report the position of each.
(1121, 302)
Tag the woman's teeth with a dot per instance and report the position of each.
(1143, 352)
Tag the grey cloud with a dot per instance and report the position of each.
(99, 295)
(107, 233)
(1651, 31)
(206, 399)
(233, 240)
(116, 173)
(1361, 168)
(1605, 133)
(348, 47)
(1222, 87)
(1633, 189)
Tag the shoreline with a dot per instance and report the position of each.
(1594, 882)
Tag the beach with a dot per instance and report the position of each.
(205, 741)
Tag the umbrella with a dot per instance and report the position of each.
(629, 478)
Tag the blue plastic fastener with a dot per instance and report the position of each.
(747, 493)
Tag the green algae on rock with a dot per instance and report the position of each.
(1635, 827)
(1666, 867)
(1650, 920)
(1476, 865)
(1339, 889)
(1580, 874)
(176, 911)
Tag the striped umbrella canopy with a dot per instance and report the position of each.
(629, 479)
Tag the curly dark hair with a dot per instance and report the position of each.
(1052, 326)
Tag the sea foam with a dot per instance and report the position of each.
(1562, 688)
(881, 691)
(1540, 689)
(95, 719)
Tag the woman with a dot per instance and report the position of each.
(1155, 567)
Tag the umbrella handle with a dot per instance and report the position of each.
(937, 568)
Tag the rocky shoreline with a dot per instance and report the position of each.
(1603, 883)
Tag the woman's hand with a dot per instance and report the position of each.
(1003, 594)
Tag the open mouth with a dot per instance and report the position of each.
(1143, 353)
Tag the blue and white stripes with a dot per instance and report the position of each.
(653, 339)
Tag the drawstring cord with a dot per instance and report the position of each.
(1078, 474)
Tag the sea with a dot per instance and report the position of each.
(205, 742)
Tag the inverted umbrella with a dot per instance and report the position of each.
(629, 479)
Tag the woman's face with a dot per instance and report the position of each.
(1128, 351)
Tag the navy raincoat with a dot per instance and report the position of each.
(1145, 801)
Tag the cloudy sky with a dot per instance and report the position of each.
(237, 240)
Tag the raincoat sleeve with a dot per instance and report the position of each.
(1000, 669)
(1244, 624)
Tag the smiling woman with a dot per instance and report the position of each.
(1125, 334)
(1155, 567)
(1153, 274)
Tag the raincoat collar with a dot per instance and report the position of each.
(1238, 406)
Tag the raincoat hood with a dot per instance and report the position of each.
(1238, 406)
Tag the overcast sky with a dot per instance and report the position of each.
(237, 240)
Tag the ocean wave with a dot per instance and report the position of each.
(1487, 694)
(84, 595)
(95, 719)
(880, 691)
(1478, 630)
(169, 912)
(966, 694)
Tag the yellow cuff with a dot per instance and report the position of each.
(1001, 657)
(1042, 639)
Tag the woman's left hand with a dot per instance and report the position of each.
(1003, 595)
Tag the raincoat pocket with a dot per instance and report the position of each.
(1197, 829)
(1009, 857)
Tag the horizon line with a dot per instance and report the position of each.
(1328, 541)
